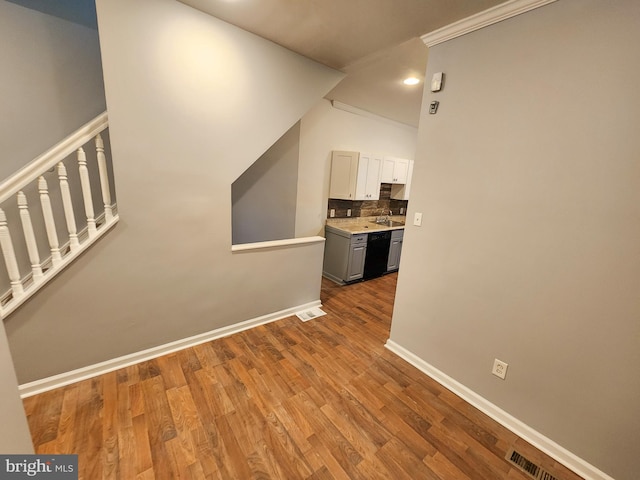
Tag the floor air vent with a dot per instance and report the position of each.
(527, 466)
(307, 315)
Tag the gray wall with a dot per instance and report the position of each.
(15, 437)
(51, 82)
(529, 250)
(264, 196)
(192, 103)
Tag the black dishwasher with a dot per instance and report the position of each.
(375, 262)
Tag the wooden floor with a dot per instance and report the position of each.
(287, 400)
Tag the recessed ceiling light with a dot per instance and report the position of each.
(411, 81)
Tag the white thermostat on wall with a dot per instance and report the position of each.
(436, 82)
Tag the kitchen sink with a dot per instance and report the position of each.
(390, 223)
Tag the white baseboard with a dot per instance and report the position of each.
(535, 438)
(62, 379)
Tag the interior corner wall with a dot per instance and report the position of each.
(192, 102)
(264, 196)
(527, 178)
(50, 85)
(324, 129)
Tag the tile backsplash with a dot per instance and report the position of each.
(368, 208)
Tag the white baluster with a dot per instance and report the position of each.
(86, 192)
(10, 256)
(49, 223)
(30, 238)
(74, 243)
(104, 178)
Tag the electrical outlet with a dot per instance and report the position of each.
(499, 368)
(332, 212)
(401, 210)
(348, 212)
(417, 219)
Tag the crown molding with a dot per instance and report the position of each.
(482, 19)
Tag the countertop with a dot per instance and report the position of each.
(359, 225)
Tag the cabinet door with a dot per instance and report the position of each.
(394, 255)
(368, 178)
(374, 167)
(388, 165)
(361, 181)
(400, 170)
(401, 191)
(356, 262)
(344, 169)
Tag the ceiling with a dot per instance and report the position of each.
(375, 42)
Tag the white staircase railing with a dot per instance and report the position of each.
(26, 273)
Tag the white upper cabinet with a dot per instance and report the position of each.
(355, 176)
(344, 173)
(368, 183)
(401, 191)
(395, 170)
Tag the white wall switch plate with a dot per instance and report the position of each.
(499, 368)
(417, 219)
(436, 82)
(348, 212)
(401, 210)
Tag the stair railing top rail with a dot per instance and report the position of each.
(52, 157)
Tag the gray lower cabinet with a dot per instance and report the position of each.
(357, 254)
(344, 256)
(394, 250)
